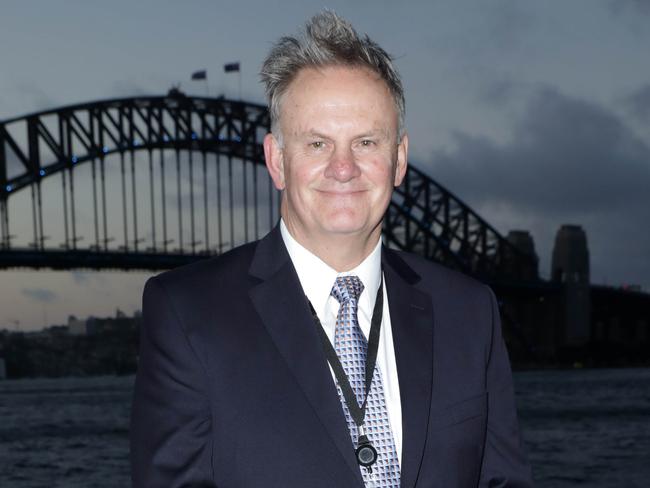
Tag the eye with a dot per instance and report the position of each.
(367, 142)
(317, 144)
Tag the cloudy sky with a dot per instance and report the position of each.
(535, 113)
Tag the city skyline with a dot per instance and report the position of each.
(535, 115)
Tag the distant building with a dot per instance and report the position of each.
(523, 240)
(632, 287)
(570, 263)
(96, 325)
(76, 326)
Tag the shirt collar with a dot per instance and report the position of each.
(317, 277)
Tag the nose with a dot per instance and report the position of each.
(342, 166)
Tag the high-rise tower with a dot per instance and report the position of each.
(570, 266)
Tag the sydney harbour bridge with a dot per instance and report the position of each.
(150, 183)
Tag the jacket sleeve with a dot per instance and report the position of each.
(504, 460)
(170, 418)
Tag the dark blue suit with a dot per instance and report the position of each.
(233, 388)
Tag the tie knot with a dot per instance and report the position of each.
(347, 288)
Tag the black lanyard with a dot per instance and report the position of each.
(357, 412)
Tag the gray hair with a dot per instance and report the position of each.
(328, 40)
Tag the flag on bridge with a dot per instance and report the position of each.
(230, 67)
(200, 75)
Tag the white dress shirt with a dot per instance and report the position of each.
(317, 279)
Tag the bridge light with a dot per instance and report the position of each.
(222, 138)
(237, 138)
(165, 138)
(9, 188)
(105, 149)
(74, 159)
(42, 172)
(136, 142)
(194, 136)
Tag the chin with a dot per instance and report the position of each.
(343, 225)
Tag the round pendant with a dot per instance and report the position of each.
(366, 453)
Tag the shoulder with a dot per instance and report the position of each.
(193, 279)
(449, 289)
(434, 275)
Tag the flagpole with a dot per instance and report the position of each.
(229, 68)
(202, 75)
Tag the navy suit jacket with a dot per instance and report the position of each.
(233, 388)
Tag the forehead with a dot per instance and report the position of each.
(337, 91)
(336, 74)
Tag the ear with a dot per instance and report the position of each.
(402, 157)
(274, 160)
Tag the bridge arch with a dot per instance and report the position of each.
(224, 138)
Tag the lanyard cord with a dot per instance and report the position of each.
(357, 413)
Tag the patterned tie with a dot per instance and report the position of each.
(351, 347)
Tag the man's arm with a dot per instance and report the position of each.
(504, 460)
(170, 418)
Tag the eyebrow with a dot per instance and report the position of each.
(363, 135)
(314, 133)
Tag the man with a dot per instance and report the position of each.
(316, 357)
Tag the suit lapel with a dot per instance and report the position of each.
(411, 318)
(283, 307)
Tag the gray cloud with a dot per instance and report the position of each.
(34, 97)
(635, 6)
(584, 156)
(42, 295)
(129, 88)
(86, 279)
(504, 93)
(509, 23)
(638, 103)
(79, 277)
(569, 160)
(497, 93)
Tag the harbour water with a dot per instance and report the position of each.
(588, 428)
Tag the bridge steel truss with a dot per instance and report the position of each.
(427, 219)
(225, 137)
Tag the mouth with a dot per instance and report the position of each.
(341, 193)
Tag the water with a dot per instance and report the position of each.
(586, 428)
(70, 432)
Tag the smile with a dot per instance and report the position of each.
(342, 193)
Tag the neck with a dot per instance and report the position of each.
(342, 252)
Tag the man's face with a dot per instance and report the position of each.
(340, 156)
